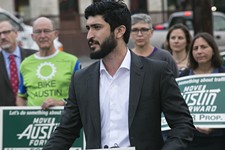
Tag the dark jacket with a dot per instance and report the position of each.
(6, 93)
(153, 89)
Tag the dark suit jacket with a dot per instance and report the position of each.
(6, 93)
(153, 89)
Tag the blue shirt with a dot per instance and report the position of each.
(18, 58)
(215, 70)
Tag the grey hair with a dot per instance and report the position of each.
(11, 24)
(144, 18)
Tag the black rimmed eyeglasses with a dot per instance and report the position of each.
(142, 30)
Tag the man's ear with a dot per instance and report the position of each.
(56, 33)
(119, 31)
(32, 36)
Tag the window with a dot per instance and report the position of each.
(219, 23)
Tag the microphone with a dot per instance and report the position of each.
(115, 146)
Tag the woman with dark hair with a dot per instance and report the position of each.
(178, 42)
(204, 58)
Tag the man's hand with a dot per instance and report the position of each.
(50, 102)
(204, 130)
(20, 101)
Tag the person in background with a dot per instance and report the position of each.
(178, 42)
(204, 58)
(119, 99)
(45, 76)
(141, 33)
(10, 51)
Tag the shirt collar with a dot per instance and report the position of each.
(125, 64)
(215, 70)
(16, 53)
(46, 57)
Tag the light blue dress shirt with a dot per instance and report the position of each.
(17, 59)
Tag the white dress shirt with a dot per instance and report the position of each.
(114, 102)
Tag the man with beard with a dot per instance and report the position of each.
(46, 75)
(119, 99)
(10, 54)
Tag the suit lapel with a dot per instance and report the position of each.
(93, 96)
(23, 54)
(136, 82)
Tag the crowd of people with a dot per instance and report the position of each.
(117, 100)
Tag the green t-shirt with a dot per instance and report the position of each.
(46, 77)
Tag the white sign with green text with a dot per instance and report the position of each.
(29, 128)
(205, 97)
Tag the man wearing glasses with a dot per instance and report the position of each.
(46, 75)
(11, 56)
(141, 32)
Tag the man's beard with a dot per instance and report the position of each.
(105, 48)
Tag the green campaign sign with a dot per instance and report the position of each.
(29, 128)
(205, 97)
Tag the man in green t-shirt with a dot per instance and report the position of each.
(45, 75)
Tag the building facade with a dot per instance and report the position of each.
(69, 16)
